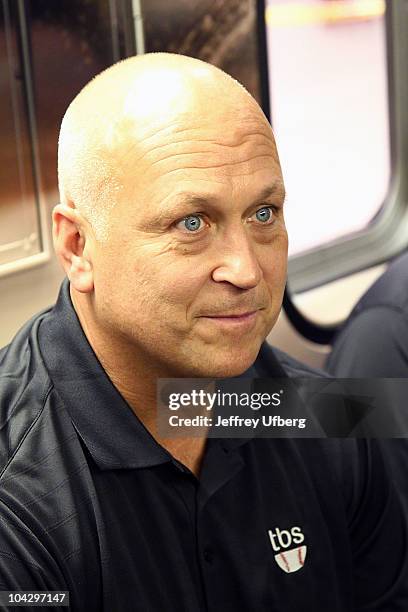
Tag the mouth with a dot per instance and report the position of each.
(240, 320)
(236, 315)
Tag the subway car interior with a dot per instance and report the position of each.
(330, 75)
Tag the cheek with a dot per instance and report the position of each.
(168, 280)
(274, 266)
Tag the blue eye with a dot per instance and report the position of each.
(192, 223)
(263, 214)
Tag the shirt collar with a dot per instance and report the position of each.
(112, 433)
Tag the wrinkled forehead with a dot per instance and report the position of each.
(220, 161)
(223, 137)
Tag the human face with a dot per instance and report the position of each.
(192, 275)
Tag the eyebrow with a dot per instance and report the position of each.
(189, 199)
(277, 188)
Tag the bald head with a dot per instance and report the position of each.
(128, 108)
(171, 219)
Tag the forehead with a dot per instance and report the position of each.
(209, 156)
(220, 129)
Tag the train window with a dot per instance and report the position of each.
(20, 227)
(329, 108)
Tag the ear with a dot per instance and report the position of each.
(69, 243)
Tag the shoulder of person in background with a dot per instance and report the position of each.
(373, 341)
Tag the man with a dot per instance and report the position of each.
(171, 234)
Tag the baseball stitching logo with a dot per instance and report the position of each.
(289, 559)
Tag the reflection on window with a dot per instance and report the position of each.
(71, 41)
(222, 33)
(328, 83)
(19, 220)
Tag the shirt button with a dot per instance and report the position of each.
(208, 555)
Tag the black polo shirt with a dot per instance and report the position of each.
(92, 504)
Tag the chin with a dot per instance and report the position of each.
(228, 366)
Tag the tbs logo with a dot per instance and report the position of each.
(289, 559)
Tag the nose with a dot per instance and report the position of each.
(237, 262)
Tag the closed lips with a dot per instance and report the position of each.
(232, 316)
